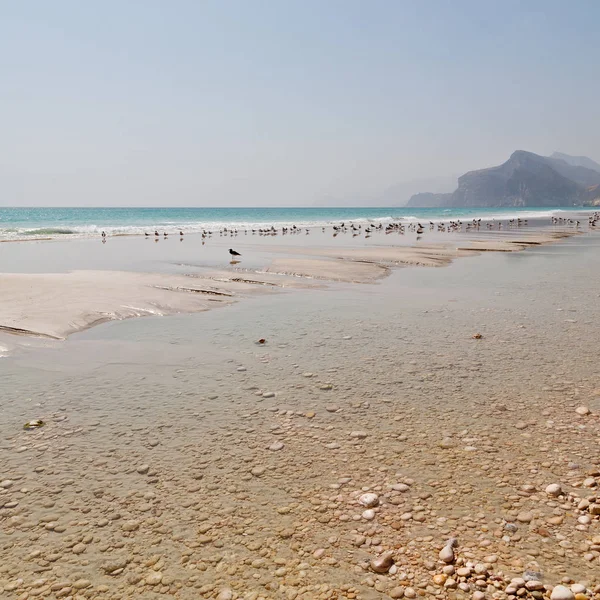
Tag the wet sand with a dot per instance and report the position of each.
(57, 304)
(182, 458)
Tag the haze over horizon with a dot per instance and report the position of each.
(231, 103)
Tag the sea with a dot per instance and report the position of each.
(43, 222)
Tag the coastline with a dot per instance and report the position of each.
(182, 457)
(32, 223)
(34, 304)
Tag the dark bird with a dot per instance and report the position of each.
(103, 234)
(155, 233)
(147, 234)
(233, 252)
(181, 233)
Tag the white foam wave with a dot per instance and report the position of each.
(533, 214)
(68, 231)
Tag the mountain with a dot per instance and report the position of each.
(400, 193)
(525, 179)
(577, 161)
(592, 196)
(581, 175)
(395, 195)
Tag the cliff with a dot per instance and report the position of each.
(525, 179)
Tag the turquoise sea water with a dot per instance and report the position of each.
(27, 223)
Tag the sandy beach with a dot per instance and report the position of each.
(300, 301)
(402, 431)
(56, 304)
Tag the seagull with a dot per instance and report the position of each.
(233, 252)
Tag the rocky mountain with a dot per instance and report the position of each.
(394, 195)
(581, 175)
(592, 196)
(525, 179)
(577, 161)
(400, 193)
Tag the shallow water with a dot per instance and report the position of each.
(403, 367)
(36, 222)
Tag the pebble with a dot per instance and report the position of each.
(554, 489)
(369, 500)
(400, 487)
(447, 554)
(560, 592)
(258, 471)
(114, 565)
(79, 548)
(275, 446)
(154, 578)
(268, 395)
(525, 517)
(582, 411)
(383, 563)
(534, 584)
(225, 594)
(130, 525)
(361, 435)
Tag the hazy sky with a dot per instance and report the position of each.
(280, 102)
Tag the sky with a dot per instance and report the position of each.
(281, 102)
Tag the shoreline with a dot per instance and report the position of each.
(184, 458)
(34, 304)
(66, 231)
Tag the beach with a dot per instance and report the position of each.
(389, 417)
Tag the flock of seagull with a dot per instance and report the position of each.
(369, 230)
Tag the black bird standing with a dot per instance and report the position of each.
(233, 252)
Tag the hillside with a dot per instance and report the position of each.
(525, 179)
(577, 161)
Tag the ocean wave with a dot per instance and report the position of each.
(169, 225)
(524, 214)
(48, 231)
(173, 227)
